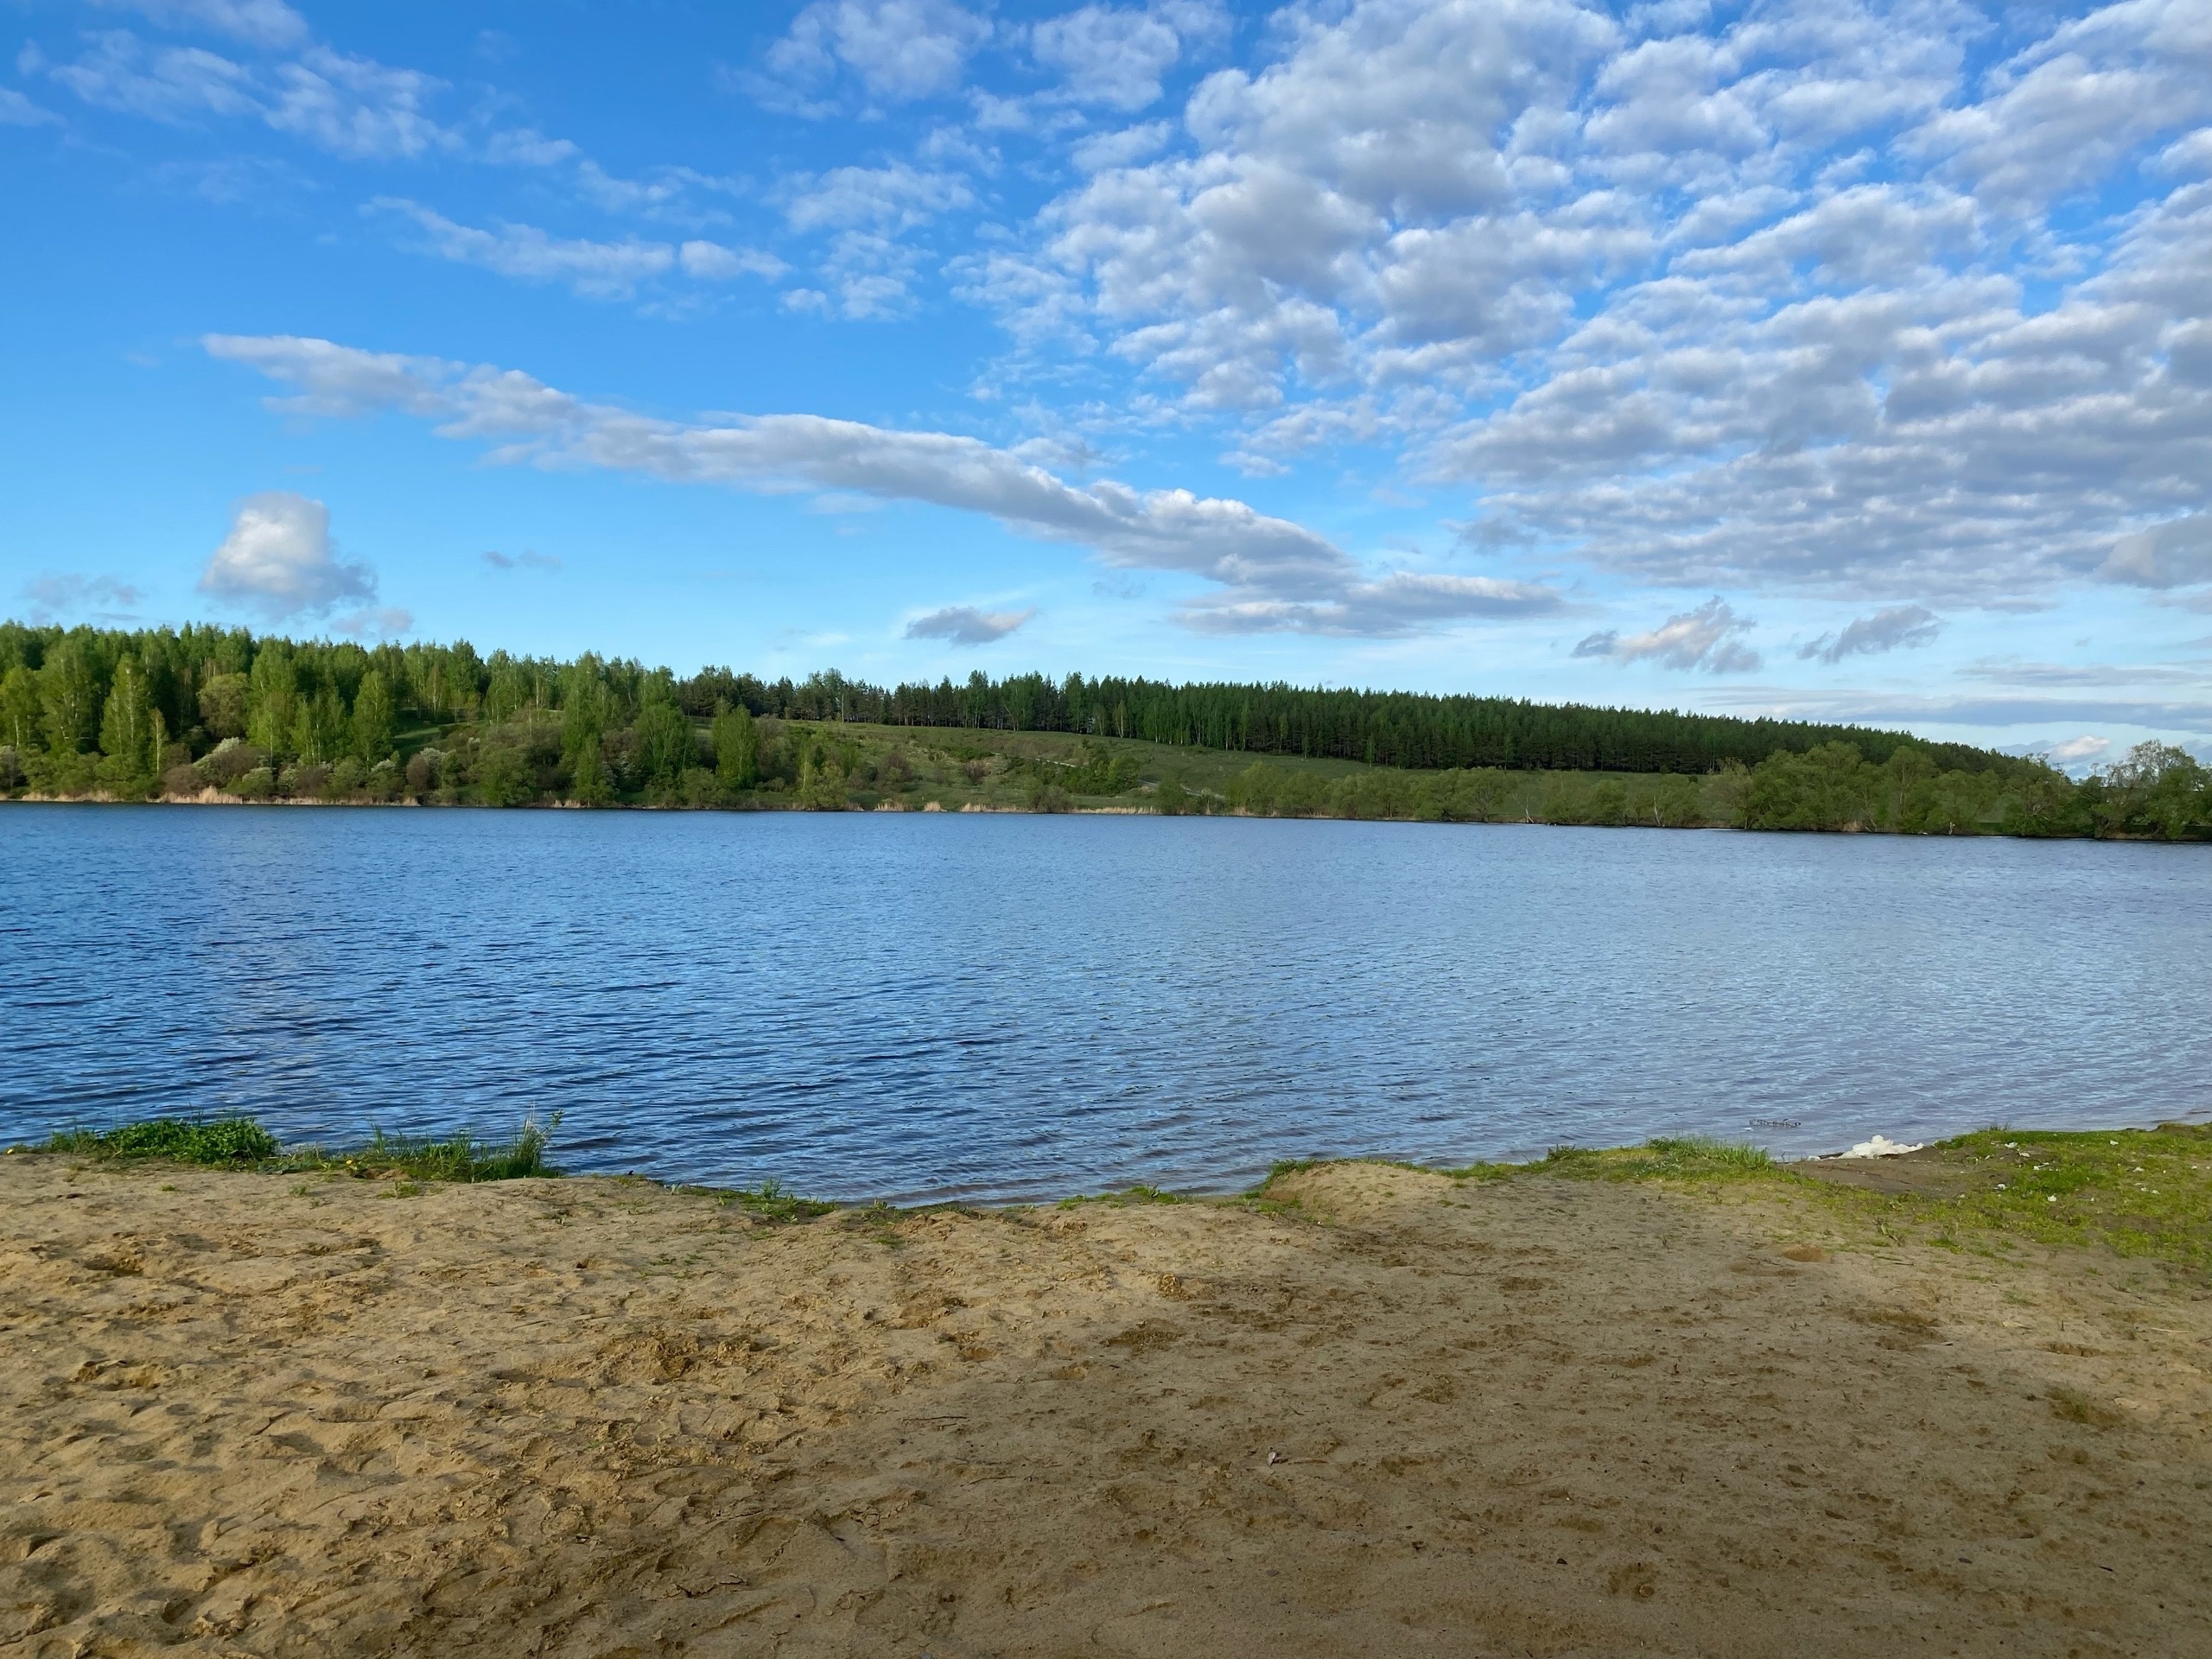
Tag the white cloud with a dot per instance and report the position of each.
(257, 22)
(353, 107)
(2077, 754)
(964, 624)
(1897, 627)
(1114, 56)
(1404, 602)
(897, 197)
(1704, 638)
(1733, 303)
(597, 269)
(173, 84)
(899, 50)
(711, 262)
(1253, 558)
(279, 559)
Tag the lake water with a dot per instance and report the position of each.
(921, 1006)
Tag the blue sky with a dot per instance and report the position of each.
(1843, 360)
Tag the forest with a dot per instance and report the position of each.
(206, 714)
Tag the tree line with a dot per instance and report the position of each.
(179, 711)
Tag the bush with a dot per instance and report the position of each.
(503, 777)
(228, 762)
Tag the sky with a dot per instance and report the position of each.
(1830, 360)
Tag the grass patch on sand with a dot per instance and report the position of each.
(773, 1204)
(1140, 1194)
(241, 1143)
(1679, 1158)
(215, 1143)
(2142, 1193)
(2137, 1192)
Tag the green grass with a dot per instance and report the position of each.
(2143, 1193)
(218, 1143)
(457, 1157)
(1140, 1194)
(241, 1143)
(2137, 1192)
(773, 1204)
(1687, 1157)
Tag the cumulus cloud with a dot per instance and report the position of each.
(898, 50)
(2079, 754)
(1114, 56)
(1705, 637)
(964, 624)
(1712, 301)
(1890, 629)
(279, 559)
(1255, 559)
(525, 560)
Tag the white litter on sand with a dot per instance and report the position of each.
(1880, 1147)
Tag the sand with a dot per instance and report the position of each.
(245, 1414)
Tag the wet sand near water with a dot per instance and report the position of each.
(245, 1414)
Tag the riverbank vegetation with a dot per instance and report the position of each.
(2143, 1193)
(242, 1143)
(203, 713)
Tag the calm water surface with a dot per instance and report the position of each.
(997, 1006)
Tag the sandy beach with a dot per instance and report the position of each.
(245, 1413)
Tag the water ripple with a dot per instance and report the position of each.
(994, 1008)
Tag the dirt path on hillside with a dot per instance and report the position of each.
(245, 1414)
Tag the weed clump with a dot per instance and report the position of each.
(773, 1204)
(1681, 1157)
(239, 1142)
(218, 1143)
(457, 1157)
(1141, 1193)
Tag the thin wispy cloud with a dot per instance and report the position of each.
(964, 625)
(1271, 574)
(1897, 627)
(1707, 638)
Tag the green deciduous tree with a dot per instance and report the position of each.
(21, 712)
(737, 749)
(130, 735)
(69, 698)
(273, 700)
(665, 746)
(373, 719)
